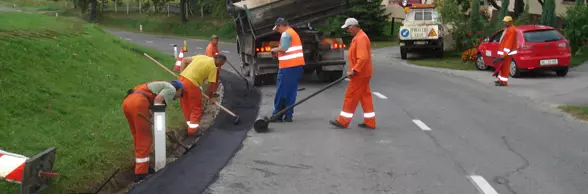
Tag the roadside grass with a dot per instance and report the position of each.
(63, 83)
(580, 57)
(450, 60)
(36, 5)
(388, 39)
(196, 27)
(580, 112)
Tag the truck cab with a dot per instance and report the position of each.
(421, 31)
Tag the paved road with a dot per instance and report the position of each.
(437, 133)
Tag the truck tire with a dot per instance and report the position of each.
(255, 79)
(328, 76)
(335, 75)
(403, 53)
(439, 52)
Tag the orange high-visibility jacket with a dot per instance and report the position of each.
(211, 50)
(294, 56)
(360, 58)
(508, 42)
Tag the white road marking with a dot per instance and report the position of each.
(128, 39)
(150, 42)
(379, 95)
(421, 125)
(226, 52)
(482, 185)
(200, 48)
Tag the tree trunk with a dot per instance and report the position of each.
(93, 10)
(183, 11)
(519, 8)
(540, 2)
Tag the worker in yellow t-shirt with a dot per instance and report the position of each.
(194, 71)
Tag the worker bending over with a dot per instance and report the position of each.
(140, 100)
(508, 46)
(212, 50)
(291, 68)
(360, 74)
(194, 71)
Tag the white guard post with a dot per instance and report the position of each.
(159, 136)
(175, 51)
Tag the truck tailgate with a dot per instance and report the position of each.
(298, 12)
(418, 32)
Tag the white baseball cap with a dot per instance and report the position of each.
(349, 22)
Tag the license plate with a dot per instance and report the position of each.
(264, 55)
(548, 62)
(420, 42)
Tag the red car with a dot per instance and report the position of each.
(541, 48)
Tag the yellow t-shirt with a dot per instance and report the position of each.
(202, 68)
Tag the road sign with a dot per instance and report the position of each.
(404, 33)
(432, 32)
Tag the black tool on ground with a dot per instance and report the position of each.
(261, 125)
(498, 60)
(301, 89)
(234, 68)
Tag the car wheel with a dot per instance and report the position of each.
(562, 72)
(480, 62)
(514, 70)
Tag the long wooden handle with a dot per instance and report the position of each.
(174, 74)
(162, 66)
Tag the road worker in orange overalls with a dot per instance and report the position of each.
(508, 46)
(212, 49)
(140, 100)
(194, 72)
(359, 73)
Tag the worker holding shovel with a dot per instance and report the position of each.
(194, 72)
(138, 102)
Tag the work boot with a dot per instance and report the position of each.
(288, 119)
(500, 83)
(140, 177)
(336, 124)
(365, 126)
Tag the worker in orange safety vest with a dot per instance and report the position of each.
(194, 72)
(507, 48)
(360, 74)
(290, 69)
(212, 49)
(140, 100)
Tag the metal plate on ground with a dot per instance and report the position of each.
(42, 162)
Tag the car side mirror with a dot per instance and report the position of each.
(486, 39)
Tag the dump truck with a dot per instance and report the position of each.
(254, 21)
(421, 31)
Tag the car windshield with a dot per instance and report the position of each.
(541, 36)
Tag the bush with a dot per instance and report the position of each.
(576, 30)
(467, 32)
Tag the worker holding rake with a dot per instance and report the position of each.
(194, 72)
(139, 101)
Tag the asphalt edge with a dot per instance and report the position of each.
(242, 102)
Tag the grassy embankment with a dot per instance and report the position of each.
(63, 82)
(452, 60)
(580, 112)
(35, 5)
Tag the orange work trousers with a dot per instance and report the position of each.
(140, 129)
(505, 70)
(358, 91)
(191, 104)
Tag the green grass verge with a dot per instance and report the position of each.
(580, 112)
(63, 83)
(196, 27)
(383, 44)
(580, 57)
(36, 5)
(450, 60)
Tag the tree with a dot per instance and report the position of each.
(548, 17)
(476, 22)
(371, 16)
(183, 12)
(519, 8)
(579, 2)
(576, 30)
(503, 12)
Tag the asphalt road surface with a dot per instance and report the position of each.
(436, 133)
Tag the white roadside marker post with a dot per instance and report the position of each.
(159, 136)
(175, 51)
